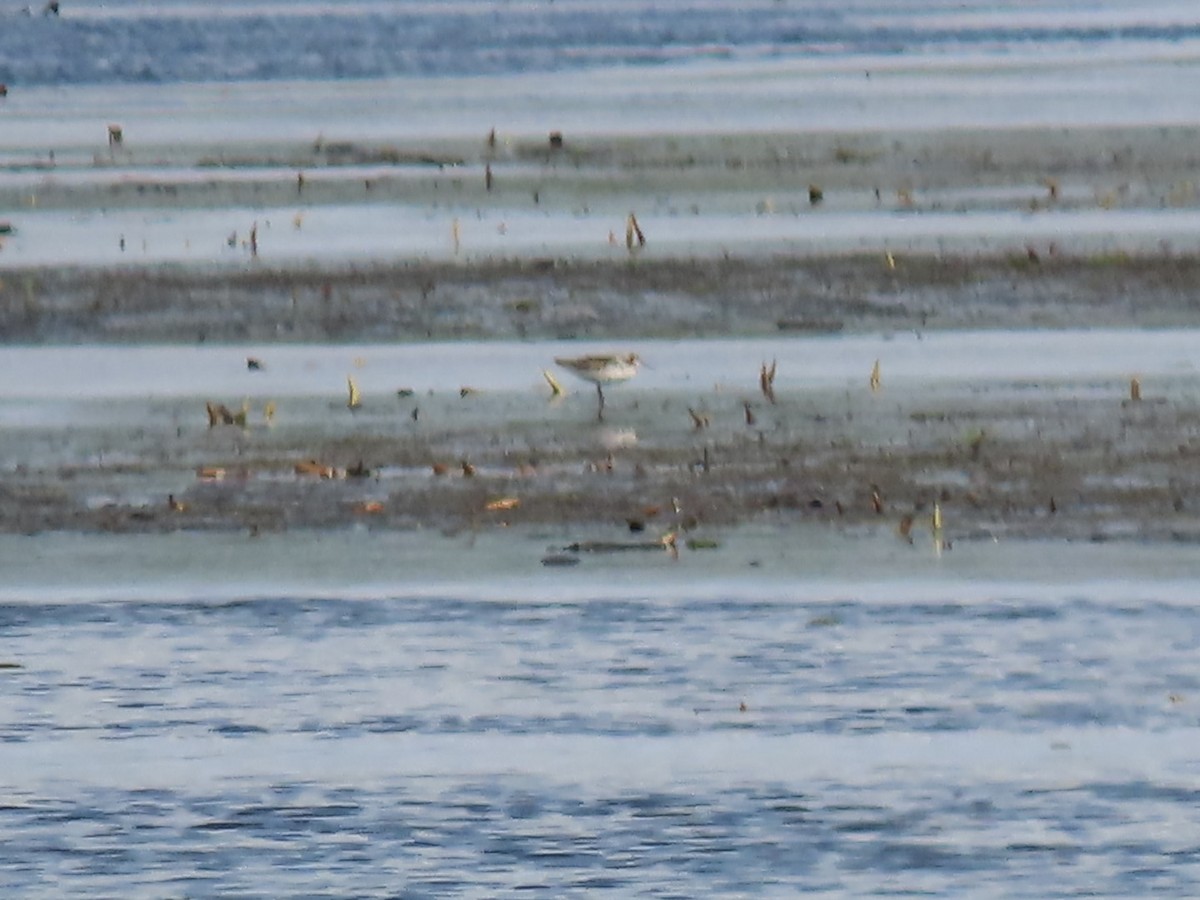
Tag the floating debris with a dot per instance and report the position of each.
(468, 469)
(467, 391)
(1135, 390)
(116, 135)
(890, 260)
(750, 420)
(815, 194)
(358, 470)
(315, 469)
(699, 420)
(210, 473)
(175, 505)
(666, 542)
(826, 620)
(559, 560)
(702, 544)
(369, 507)
(354, 400)
(876, 379)
(502, 503)
(254, 364)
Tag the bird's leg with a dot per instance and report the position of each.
(600, 394)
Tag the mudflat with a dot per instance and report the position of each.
(810, 241)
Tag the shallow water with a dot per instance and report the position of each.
(985, 360)
(95, 41)
(354, 714)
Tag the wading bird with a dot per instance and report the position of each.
(601, 370)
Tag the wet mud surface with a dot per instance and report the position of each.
(1078, 460)
(557, 299)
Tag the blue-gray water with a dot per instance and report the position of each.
(184, 41)
(700, 727)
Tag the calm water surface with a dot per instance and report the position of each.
(766, 719)
(103, 42)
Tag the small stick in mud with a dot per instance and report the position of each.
(556, 389)
(220, 414)
(633, 231)
(876, 379)
(750, 420)
(766, 380)
(1135, 390)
